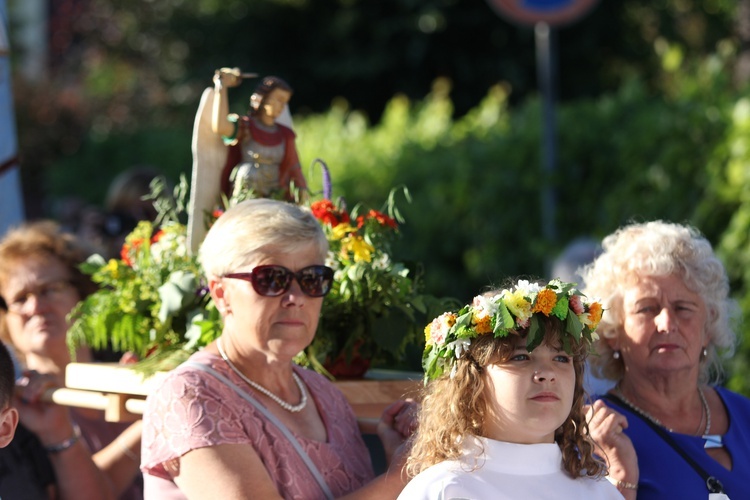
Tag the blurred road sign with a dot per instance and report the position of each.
(552, 12)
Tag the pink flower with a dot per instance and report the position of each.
(576, 304)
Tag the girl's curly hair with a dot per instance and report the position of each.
(455, 407)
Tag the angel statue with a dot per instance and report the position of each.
(261, 157)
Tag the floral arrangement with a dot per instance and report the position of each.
(372, 311)
(153, 302)
(507, 312)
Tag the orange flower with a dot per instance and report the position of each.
(545, 302)
(482, 324)
(595, 314)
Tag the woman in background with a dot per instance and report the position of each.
(40, 284)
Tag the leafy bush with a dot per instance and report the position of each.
(477, 182)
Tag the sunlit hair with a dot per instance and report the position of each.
(455, 407)
(255, 228)
(264, 88)
(43, 240)
(660, 248)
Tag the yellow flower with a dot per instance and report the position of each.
(359, 247)
(545, 302)
(112, 269)
(342, 230)
(518, 305)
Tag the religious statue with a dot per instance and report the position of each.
(238, 155)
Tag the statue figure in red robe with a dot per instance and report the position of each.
(261, 158)
(262, 155)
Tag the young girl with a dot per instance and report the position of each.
(502, 415)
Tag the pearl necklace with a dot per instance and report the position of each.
(287, 406)
(712, 440)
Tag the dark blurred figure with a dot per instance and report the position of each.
(124, 207)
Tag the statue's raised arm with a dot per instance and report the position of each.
(261, 159)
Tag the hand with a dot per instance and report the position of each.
(397, 423)
(606, 429)
(405, 421)
(128, 358)
(50, 422)
(229, 77)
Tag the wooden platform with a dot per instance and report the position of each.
(121, 392)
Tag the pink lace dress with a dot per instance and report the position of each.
(192, 409)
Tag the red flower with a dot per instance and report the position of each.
(217, 213)
(127, 247)
(382, 219)
(326, 212)
(157, 236)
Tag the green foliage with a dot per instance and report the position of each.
(477, 182)
(670, 143)
(376, 307)
(87, 174)
(152, 300)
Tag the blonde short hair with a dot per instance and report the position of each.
(258, 227)
(659, 248)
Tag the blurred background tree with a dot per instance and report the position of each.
(123, 71)
(437, 95)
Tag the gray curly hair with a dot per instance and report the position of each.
(660, 248)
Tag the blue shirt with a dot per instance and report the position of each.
(665, 474)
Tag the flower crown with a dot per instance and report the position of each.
(506, 312)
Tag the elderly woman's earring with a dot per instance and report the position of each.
(704, 354)
(616, 355)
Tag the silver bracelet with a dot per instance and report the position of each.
(64, 445)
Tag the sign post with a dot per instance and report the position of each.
(11, 203)
(545, 16)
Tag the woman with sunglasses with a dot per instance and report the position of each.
(239, 419)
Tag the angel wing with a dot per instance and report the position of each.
(209, 156)
(285, 118)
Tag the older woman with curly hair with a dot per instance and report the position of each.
(503, 412)
(666, 327)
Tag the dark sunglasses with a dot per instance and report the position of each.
(272, 281)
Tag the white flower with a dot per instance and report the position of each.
(459, 346)
(382, 262)
(528, 288)
(485, 306)
(332, 261)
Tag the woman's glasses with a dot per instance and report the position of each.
(272, 281)
(51, 291)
